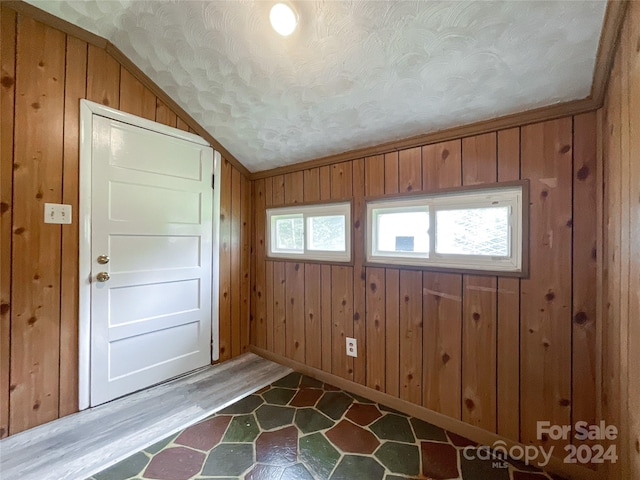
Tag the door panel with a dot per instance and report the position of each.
(152, 215)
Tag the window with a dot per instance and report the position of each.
(310, 232)
(477, 229)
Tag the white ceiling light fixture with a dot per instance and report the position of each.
(283, 19)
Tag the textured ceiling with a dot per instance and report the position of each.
(354, 73)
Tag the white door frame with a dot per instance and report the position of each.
(87, 110)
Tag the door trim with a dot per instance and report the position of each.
(87, 110)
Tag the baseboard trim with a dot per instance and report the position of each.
(458, 427)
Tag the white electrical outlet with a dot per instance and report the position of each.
(352, 347)
(57, 213)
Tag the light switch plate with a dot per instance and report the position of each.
(57, 213)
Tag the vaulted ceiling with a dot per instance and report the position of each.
(354, 73)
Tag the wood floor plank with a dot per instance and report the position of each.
(79, 445)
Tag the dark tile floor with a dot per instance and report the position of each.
(299, 428)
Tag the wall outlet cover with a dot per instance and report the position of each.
(352, 347)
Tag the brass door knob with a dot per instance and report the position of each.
(102, 277)
(102, 259)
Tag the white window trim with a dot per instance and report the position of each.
(313, 210)
(511, 196)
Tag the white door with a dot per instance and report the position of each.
(151, 215)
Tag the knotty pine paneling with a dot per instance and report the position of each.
(619, 128)
(497, 353)
(44, 75)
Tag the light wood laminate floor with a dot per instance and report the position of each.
(77, 446)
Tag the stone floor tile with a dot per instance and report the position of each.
(296, 472)
(351, 438)
(330, 388)
(399, 458)
(427, 431)
(271, 416)
(279, 447)
(459, 441)
(246, 405)
(308, 382)
(318, 454)
(279, 396)
(175, 463)
(127, 468)
(334, 404)
(384, 408)
(290, 381)
(204, 435)
(355, 467)
(393, 427)
(306, 397)
(243, 428)
(262, 390)
(156, 447)
(229, 459)
(310, 420)
(363, 414)
(439, 460)
(482, 470)
(264, 472)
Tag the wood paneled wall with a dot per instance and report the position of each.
(44, 75)
(621, 276)
(497, 353)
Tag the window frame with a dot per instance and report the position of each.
(476, 196)
(307, 210)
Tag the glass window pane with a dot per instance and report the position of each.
(289, 232)
(473, 231)
(403, 232)
(326, 233)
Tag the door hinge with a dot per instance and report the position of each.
(213, 182)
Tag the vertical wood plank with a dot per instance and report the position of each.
(633, 333)
(411, 336)
(584, 269)
(479, 351)
(442, 165)
(7, 66)
(341, 180)
(37, 178)
(392, 310)
(374, 175)
(312, 185)
(270, 312)
(546, 294)
(410, 170)
(294, 311)
(326, 315)
(103, 78)
(442, 312)
(391, 179)
(313, 315)
(135, 98)
(182, 125)
(508, 338)
(165, 115)
(376, 328)
(293, 188)
(479, 309)
(359, 274)
(279, 308)
(325, 182)
(75, 82)
(245, 263)
(224, 309)
(262, 281)
(442, 168)
(236, 291)
(342, 318)
(277, 191)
